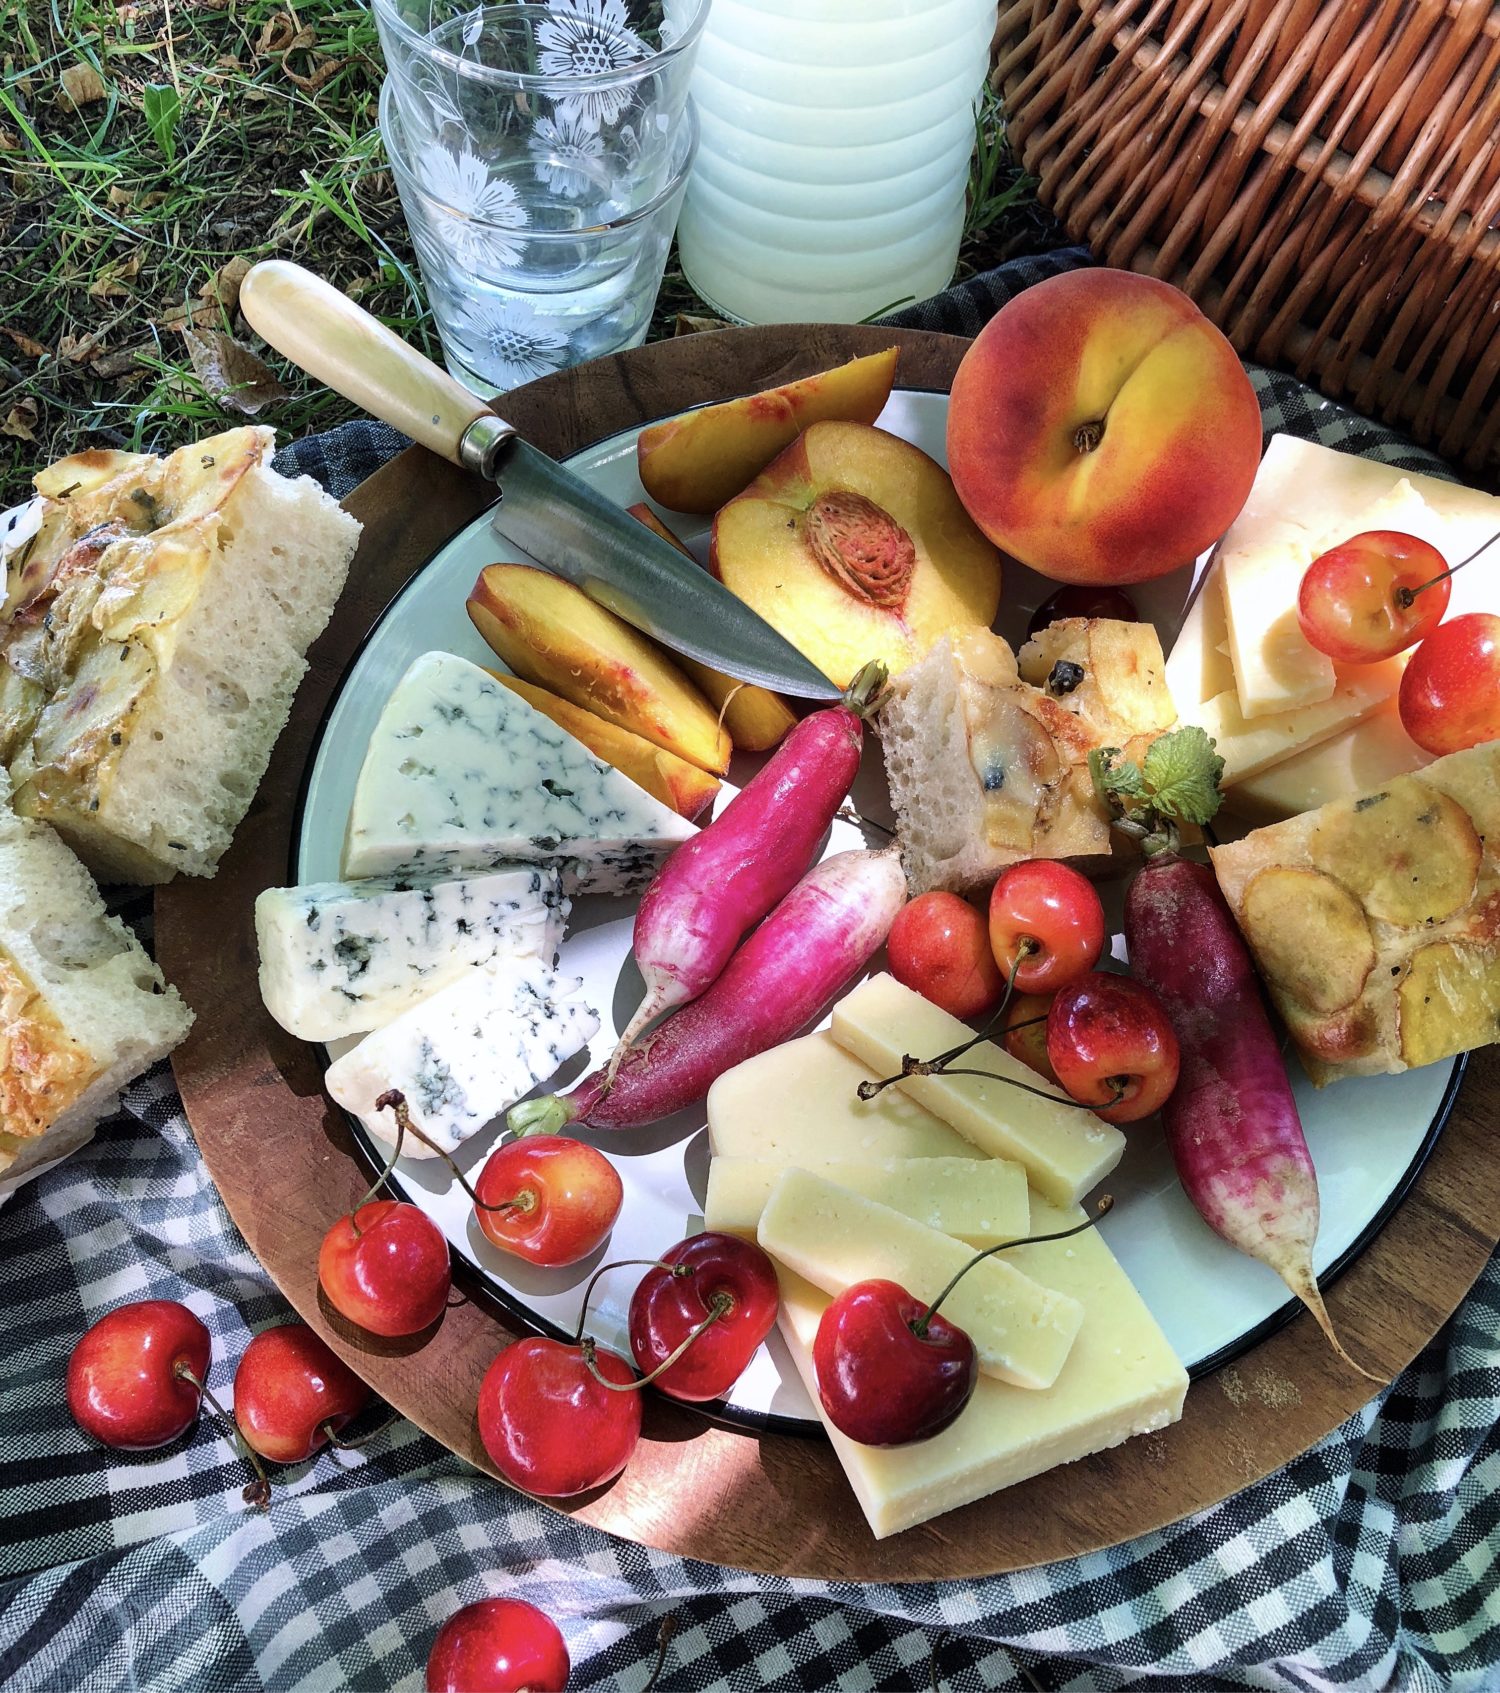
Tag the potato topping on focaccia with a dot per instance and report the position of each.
(1376, 921)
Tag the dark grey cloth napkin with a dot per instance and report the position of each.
(1369, 1563)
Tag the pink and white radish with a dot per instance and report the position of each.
(778, 984)
(716, 887)
(1231, 1122)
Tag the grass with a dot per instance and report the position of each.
(207, 134)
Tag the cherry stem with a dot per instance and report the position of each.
(257, 1492)
(720, 1305)
(395, 1100)
(663, 1640)
(940, 1640)
(335, 1439)
(678, 1270)
(1106, 1204)
(1405, 596)
(936, 1066)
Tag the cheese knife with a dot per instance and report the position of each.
(543, 508)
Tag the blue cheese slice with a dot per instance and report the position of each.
(463, 775)
(467, 1054)
(342, 958)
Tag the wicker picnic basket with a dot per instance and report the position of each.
(1322, 176)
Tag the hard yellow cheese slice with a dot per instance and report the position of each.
(802, 1098)
(1260, 565)
(1121, 1379)
(979, 1201)
(1022, 1331)
(1064, 1149)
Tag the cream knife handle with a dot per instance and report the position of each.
(310, 322)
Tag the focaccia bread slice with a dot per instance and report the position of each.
(987, 754)
(1376, 920)
(83, 1010)
(155, 619)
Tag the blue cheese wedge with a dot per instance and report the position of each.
(342, 958)
(467, 1054)
(463, 775)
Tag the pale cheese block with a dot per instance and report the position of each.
(1121, 1379)
(1064, 1149)
(1022, 1332)
(1355, 762)
(802, 1098)
(978, 1201)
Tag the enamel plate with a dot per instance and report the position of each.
(1368, 1135)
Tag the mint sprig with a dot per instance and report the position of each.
(1176, 782)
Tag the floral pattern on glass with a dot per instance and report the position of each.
(589, 38)
(482, 209)
(508, 342)
(568, 155)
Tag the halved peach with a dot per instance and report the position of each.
(665, 776)
(697, 461)
(551, 633)
(756, 719)
(854, 545)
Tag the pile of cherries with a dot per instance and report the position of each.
(1377, 594)
(1101, 1037)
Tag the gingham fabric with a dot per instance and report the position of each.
(1370, 1563)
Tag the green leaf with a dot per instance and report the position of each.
(162, 105)
(1113, 773)
(1182, 773)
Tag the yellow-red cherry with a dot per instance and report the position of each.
(939, 947)
(1046, 924)
(1450, 691)
(1373, 596)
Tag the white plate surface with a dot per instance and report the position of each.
(1367, 1135)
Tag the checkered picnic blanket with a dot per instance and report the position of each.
(1368, 1563)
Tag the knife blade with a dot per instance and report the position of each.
(565, 525)
(585, 538)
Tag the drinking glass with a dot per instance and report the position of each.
(520, 282)
(575, 104)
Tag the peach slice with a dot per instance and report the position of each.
(699, 460)
(551, 633)
(676, 783)
(854, 545)
(756, 719)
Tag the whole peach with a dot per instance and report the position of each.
(1101, 429)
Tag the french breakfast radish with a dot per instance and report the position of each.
(1231, 1121)
(776, 985)
(717, 886)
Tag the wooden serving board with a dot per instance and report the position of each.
(285, 1163)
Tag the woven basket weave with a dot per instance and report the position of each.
(1322, 176)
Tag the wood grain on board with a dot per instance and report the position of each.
(286, 1165)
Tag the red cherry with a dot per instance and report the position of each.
(567, 1197)
(881, 1381)
(939, 947)
(498, 1646)
(291, 1392)
(1450, 691)
(1357, 602)
(127, 1378)
(1025, 1034)
(1046, 923)
(719, 1272)
(1112, 1047)
(386, 1268)
(1081, 599)
(548, 1426)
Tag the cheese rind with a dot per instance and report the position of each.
(1121, 1379)
(467, 1054)
(978, 1201)
(463, 775)
(802, 1098)
(342, 958)
(1022, 1332)
(1064, 1149)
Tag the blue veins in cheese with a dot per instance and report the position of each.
(463, 775)
(467, 1054)
(342, 958)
